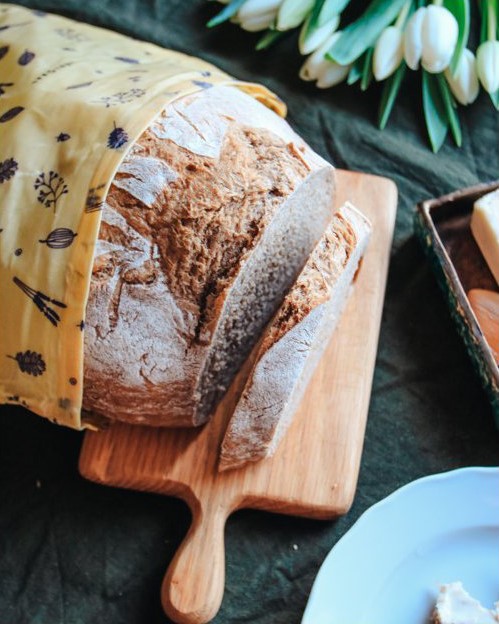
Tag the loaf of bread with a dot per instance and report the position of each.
(209, 220)
(294, 342)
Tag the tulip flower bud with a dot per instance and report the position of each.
(487, 60)
(317, 61)
(388, 52)
(257, 22)
(311, 40)
(464, 81)
(413, 46)
(332, 74)
(255, 8)
(292, 13)
(439, 37)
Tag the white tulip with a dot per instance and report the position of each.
(310, 41)
(439, 37)
(316, 61)
(332, 74)
(292, 13)
(413, 45)
(388, 52)
(327, 73)
(487, 60)
(255, 8)
(464, 81)
(257, 22)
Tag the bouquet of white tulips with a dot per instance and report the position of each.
(389, 37)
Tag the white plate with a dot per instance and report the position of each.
(388, 568)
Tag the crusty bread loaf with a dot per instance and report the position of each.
(208, 222)
(294, 341)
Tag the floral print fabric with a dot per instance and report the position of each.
(73, 99)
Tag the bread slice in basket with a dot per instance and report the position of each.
(208, 222)
(294, 342)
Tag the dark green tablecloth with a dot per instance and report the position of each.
(74, 552)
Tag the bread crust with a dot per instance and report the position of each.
(185, 212)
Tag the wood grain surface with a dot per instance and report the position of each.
(314, 471)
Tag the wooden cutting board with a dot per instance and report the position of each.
(314, 471)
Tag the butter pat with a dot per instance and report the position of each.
(485, 229)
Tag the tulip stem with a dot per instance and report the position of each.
(402, 18)
(492, 20)
(438, 2)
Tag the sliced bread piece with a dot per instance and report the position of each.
(209, 220)
(294, 342)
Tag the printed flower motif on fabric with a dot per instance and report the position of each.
(51, 187)
(41, 301)
(94, 199)
(11, 113)
(117, 138)
(8, 169)
(60, 238)
(71, 34)
(122, 97)
(29, 362)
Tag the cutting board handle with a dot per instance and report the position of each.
(193, 587)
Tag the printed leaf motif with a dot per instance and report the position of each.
(26, 57)
(29, 362)
(117, 138)
(41, 301)
(11, 113)
(202, 84)
(60, 238)
(3, 51)
(51, 187)
(126, 59)
(7, 169)
(79, 86)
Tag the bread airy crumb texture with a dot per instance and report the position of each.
(455, 606)
(209, 220)
(294, 342)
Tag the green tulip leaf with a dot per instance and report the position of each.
(435, 114)
(324, 11)
(461, 11)
(495, 98)
(450, 109)
(355, 73)
(363, 33)
(226, 13)
(269, 38)
(367, 70)
(389, 95)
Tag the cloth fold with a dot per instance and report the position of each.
(75, 99)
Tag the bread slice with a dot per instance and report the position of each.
(294, 342)
(208, 222)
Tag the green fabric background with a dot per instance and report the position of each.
(74, 552)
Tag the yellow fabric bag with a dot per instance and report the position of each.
(73, 99)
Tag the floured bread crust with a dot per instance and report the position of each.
(185, 211)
